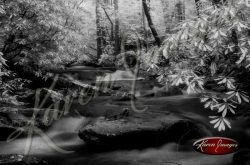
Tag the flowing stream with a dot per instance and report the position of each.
(64, 133)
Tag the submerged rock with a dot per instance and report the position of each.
(163, 91)
(20, 160)
(12, 119)
(140, 130)
(123, 96)
(50, 95)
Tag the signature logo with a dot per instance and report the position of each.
(216, 146)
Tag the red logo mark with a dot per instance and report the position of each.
(216, 146)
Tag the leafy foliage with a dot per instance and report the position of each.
(108, 58)
(3, 72)
(42, 34)
(213, 47)
(9, 84)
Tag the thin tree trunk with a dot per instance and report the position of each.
(98, 30)
(166, 11)
(117, 28)
(104, 42)
(180, 11)
(197, 4)
(145, 28)
(219, 2)
(150, 23)
(183, 11)
(235, 39)
(111, 23)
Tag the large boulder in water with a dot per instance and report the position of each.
(140, 130)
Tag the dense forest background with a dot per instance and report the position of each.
(40, 38)
(123, 81)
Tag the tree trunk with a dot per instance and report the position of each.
(180, 7)
(145, 28)
(111, 23)
(219, 2)
(234, 58)
(98, 29)
(167, 15)
(117, 28)
(150, 23)
(197, 4)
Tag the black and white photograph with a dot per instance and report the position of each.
(124, 82)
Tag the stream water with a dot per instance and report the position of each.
(64, 134)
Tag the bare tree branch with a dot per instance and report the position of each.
(112, 24)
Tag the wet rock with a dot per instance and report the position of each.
(53, 96)
(123, 96)
(242, 158)
(13, 118)
(140, 130)
(125, 112)
(20, 160)
(163, 91)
